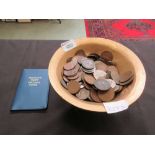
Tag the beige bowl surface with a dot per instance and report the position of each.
(125, 59)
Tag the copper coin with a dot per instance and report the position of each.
(106, 55)
(70, 65)
(63, 83)
(83, 94)
(126, 76)
(74, 77)
(94, 96)
(87, 86)
(72, 72)
(88, 64)
(102, 85)
(73, 87)
(89, 79)
(106, 96)
(127, 82)
(80, 52)
(101, 66)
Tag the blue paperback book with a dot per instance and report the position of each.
(32, 91)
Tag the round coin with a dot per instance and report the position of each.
(72, 72)
(101, 66)
(73, 87)
(63, 83)
(106, 96)
(83, 94)
(127, 82)
(99, 74)
(88, 64)
(70, 65)
(94, 96)
(102, 84)
(89, 79)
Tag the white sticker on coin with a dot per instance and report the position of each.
(114, 107)
(68, 45)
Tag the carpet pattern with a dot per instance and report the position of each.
(121, 29)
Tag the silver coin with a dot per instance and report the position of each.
(99, 74)
(88, 64)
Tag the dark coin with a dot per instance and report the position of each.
(94, 56)
(70, 65)
(88, 64)
(72, 72)
(89, 79)
(106, 96)
(94, 96)
(125, 76)
(73, 87)
(63, 83)
(83, 94)
(106, 55)
(102, 85)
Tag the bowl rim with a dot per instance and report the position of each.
(134, 94)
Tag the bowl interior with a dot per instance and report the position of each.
(121, 56)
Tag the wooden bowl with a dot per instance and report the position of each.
(125, 59)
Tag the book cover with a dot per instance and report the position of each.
(32, 91)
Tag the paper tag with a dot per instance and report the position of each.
(114, 107)
(68, 45)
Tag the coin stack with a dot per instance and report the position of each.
(94, 77)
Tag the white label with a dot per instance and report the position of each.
(114, 107)
(68, 45)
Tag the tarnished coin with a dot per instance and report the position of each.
(94, 96)
(102, 85)
(83, 94)
(63, 83)
(73, 87)
(70, 65)
(106, 55)
(99, 74)
(89, 79)
(112, 83)
(72, 72)
(106, 96)
(88, 64)
(101, 66)
(126, 76)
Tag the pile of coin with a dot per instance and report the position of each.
(94, 77)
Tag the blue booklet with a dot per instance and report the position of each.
(32, 91)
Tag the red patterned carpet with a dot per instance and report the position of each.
(118, 29)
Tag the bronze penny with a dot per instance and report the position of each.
(73, 87)
(89, 79)
(94, 96)
(83, 94)
(101, 66)
(106, 96)
(106, 55)
(72, 72)
(102, 85)
(73, 77)
(70, 65)
(126, 76)
(87, 86)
